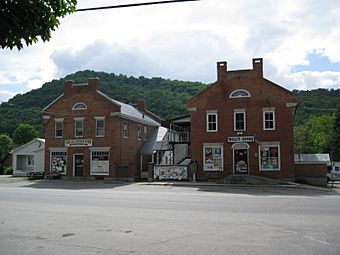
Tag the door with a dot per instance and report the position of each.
(78, 165)
(241, 161)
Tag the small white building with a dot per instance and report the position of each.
(29, 157)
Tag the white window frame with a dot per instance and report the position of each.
(244, 120)
(76, 107)
(103, 150)
(212, 147)
(270, 145)
(100, 119)
(30, 160)
(211, 113)
(61, 120)
(139, 132)
(59, 151)
(145, 133)
(264, 119)
(126, 129)
(75, 127)
(232, 94)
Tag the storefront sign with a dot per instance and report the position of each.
(241, 139)
(78, 142)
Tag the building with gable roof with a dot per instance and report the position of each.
(242, 124)
(92, 135)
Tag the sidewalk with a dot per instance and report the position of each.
(214, 184)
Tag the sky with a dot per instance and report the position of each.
(297, 39)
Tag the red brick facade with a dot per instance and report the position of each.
(100, 146)
(243, 124)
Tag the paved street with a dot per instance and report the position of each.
(69, 217)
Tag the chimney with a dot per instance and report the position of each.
(68, 84)
(221, 70)
(93, 83)
(141, 104)
(258, 66)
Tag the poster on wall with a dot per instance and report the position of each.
(58, 164)
(99, 167)
(171, 172)
(213, 158)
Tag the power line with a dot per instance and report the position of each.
(132, 5)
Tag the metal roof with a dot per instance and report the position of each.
(312, 158)
(156, 141)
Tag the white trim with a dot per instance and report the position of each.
(128, 117)
(236, 111)
(51, 150)
(139, 132)
(212, 113)
(291, 104)
(55, 100)
(217, 145)
(239, 90)
(100, 149)
(264, 119)
(127, 129)
(80, 109)
(99, 119)
(45, 117)
(73, 162)
(58, 120)
(75, 127)
(192, 109)
(242, 146)
(270, 144)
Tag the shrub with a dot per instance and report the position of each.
(8, 170)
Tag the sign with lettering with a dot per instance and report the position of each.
(78, 142)
(241, 139)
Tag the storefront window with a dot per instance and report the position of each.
(270, 158)
(213, 158)
(100, 163)
(58, 162)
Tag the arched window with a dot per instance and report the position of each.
(79, 106)
(239, 93)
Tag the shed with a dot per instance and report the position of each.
(29, 157)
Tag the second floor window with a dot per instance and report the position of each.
(239, 121)
(211, 121)
(79, 127)
(145, 133)
(59, 126)
(139, 132)
(125, 129)
(100, 127)
(269, 120)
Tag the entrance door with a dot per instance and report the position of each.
(241, 161)
(78, 165)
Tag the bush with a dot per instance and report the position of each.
(8, 171)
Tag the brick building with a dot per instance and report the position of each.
(243, 124)
(92, 135)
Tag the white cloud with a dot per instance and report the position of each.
(184, 41)
(5, 95)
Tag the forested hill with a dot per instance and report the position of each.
(315, 103)
(164, 97)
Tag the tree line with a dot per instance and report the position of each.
(316, 121)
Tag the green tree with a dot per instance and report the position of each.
(336, 138)
(26, 20)
(5, 145)
(24, 133)
(316, 135)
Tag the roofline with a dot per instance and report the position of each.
(55, 100)
(26, 144)
(124, 116)
(108, 98)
